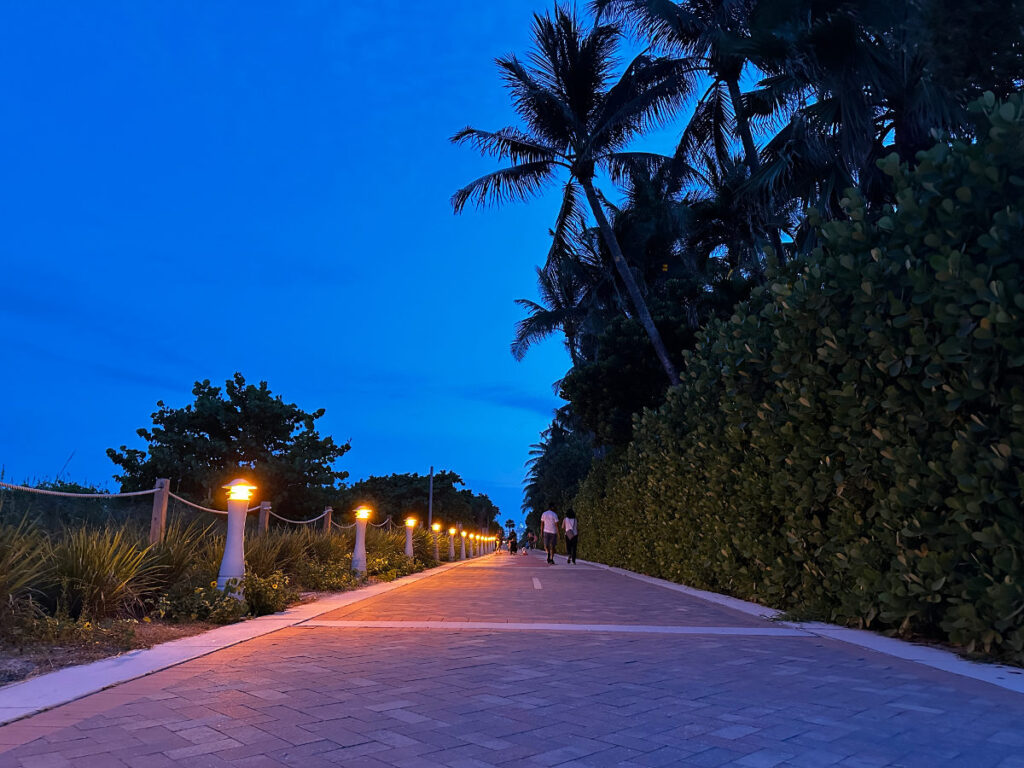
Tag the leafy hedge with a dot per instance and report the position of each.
(850, 444)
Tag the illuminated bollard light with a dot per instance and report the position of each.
(451, 544)
(410, 523)
(232, 565)
(463, 535)
(359, 553)
(436, 528)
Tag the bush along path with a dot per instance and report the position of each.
(849, 445)
(86, 593)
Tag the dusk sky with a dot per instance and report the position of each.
(193, 189)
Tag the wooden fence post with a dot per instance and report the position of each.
(264, 520)
(159, 520)
(328, 513)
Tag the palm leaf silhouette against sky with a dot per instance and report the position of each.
(580, 120)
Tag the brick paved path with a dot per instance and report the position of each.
(644, 691)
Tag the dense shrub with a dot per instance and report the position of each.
(204, 602)
(328, 575)
(268, 594)
(385, 554)
(850, 444)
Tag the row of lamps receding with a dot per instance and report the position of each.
(232, 566)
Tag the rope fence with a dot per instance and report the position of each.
(301, 522)
(176, 497)
(66, 494)
(232, 565)
(164, 493)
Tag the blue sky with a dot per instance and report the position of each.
(197, 188)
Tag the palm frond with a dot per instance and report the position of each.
(623, 166)
(509, 143)
(711, 127)
(664, 23)
(517, 183)
(572, 62)
(570, 222)
(649, 94)
(541, 109)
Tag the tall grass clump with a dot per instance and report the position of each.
(24, 566)
(182, 549)
(101, 574)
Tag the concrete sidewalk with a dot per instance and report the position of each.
(509, 661)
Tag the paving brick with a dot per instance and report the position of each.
(410, 698)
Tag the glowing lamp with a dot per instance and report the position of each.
(239, 490)
(363, 513)
(435, 527)
(410, 522)
(451, 531)
(232, 564)
(463, 534)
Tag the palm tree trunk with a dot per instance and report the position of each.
(643, 315)
(743, 126)
(750, 154)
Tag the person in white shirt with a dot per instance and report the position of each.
(549, 527)
(572, 538)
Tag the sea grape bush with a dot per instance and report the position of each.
(850, 443)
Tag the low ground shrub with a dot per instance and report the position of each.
(333, 575)
(184, 602)
(62, 630)
(268, 594)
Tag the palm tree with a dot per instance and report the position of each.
(563, 298)
(714, 36)
(579, 122)
(860, 82)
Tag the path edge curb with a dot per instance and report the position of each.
(1000, 675)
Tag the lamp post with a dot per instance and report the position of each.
(410, 523)
(232, 566)
(462, 534)
(436, 528)
(359, 554)
(451, 544)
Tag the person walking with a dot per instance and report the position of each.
(572, 538)
(549, 527)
